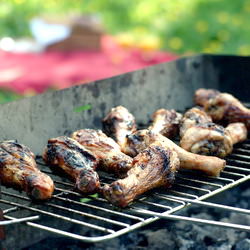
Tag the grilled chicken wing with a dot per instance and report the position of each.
(105, 149)
(223, 107)
(201, 136)
(154, 167)
(141, 139)
(166, 122)
(75, 160)
(18, 169)
(118, 124)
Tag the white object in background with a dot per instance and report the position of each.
(47, 33)
(7, 44)
(23, 45)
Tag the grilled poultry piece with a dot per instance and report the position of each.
(193, 117)
(119, 123)
(202, 96)
(105, 149)
(154, 167)
(201, 136)
(223, 107)
(237, 131)
(166, 122)
(75, 160)
(18, 169)
(141, 139)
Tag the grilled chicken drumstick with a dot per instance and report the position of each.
(118, 124)
(75, 160)
(193, 117)
(166, 122)
(208, 138)
(154, 167)
(105, 149)
(18, 169)
(222, 106)
(237, 131)
(141, 139)
(202, 96)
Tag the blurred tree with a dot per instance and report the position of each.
(215, 26)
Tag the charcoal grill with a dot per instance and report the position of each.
(91, 218)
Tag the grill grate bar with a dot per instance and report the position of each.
(240, 150)
(183, 194)
(9, 210)
(244, 159)
(232, 173)
(199, 181)
(214, 205)
(55, 215)
(155, 204)
(14, 221)
(221, 178)
(81, 196)
(195, 188)
(89, 215)
(195, 220)
(238, 168)
(100, 208)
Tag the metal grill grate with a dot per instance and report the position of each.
(70, 208)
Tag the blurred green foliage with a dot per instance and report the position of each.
(8, 96)
(183, 26)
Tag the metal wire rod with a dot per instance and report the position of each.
(196, 220)
(214, 205)
(14, 221)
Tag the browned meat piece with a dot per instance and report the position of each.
(207, 139)
(153, 167)
(237, 131)
(202, 96)
(201, 136)
(193, 117)
(213, 139)
(166, 122)
(75, 160)
(118, 124)
(141, 139)
(223, 107)
(18, 169)
(105, 149)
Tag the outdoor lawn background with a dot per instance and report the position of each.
(182, 27)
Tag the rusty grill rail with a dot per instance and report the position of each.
(106, 222)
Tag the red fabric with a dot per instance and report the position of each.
(38, 72)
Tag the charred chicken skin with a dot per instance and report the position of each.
(74, 160)
(166, 122)
(193, 117)
(154, 167)
(118, 124)
(141, 139)
(208, 138)
(18, 169)
(222, 107)
(105, 149)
